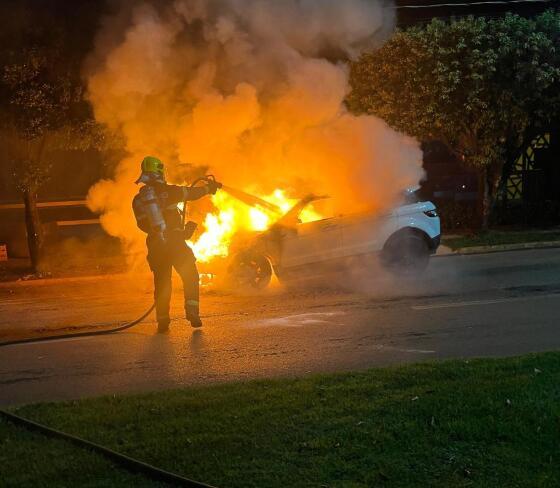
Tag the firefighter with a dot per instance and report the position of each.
(156, 212)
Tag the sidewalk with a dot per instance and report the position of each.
(447, 251)
(499, 241)
(19, 269)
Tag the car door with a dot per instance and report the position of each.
(366, 233)
(312, 242)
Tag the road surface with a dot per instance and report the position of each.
(496, 304)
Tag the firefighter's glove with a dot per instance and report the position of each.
(213, 186)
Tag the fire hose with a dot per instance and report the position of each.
(119, 328)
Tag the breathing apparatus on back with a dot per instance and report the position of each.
(153, 211)
(146, 206)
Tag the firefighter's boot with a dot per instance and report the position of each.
(192, 314)
(163, 325)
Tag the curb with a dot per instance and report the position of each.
(522, 246)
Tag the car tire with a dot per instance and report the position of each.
(250, 270)
(407, 254)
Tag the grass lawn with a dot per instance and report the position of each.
(491, 422)
(494, 237)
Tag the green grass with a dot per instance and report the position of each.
(492, 422)
(493, 238)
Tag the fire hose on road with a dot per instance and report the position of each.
(119, 328)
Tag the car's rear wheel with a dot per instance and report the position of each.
(407, 254)
(250, 270)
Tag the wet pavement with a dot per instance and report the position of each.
(465, 306)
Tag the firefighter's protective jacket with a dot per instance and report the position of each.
(167, 197)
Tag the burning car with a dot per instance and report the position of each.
(402, 239)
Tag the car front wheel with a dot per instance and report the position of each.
(407, 254)
(250, 270)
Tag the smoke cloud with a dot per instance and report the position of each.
(250, 90)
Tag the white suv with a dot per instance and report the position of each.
(402, 239)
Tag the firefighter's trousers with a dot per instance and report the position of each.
(162, 257)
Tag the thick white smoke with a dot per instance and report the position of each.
(254, 91)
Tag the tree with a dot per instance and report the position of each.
(477, 85)
(42, 109)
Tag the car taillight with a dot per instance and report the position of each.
(431, 213)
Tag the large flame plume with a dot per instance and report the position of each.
(253, 91)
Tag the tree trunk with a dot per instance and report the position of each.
(488, 182)
(481, 201)
(35, 238)
(487, 203)
(486, 197)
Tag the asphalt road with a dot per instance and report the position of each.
(496, 304)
